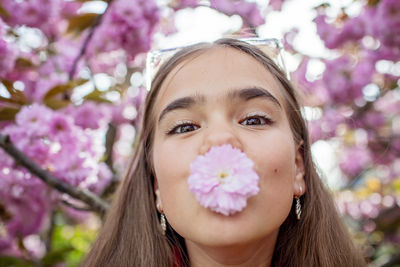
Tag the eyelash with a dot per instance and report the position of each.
(177, 128)
(267, 120)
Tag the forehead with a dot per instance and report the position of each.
(212, 73)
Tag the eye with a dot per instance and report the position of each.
(256, 120)
(184, 127)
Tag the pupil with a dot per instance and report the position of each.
(186, 128)
(253, 121)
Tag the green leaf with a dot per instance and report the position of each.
(373, 2)
(62, 88)
(23, 63)
(91, 0)
(12, 262)
(56, 103)
(97, 96)
(10, 100)
(56, 256)
(16, 95)
(4, 13)
(81, 22)
(323, 5)
(7, 114)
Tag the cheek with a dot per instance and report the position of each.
(171, 164)
(273, 155)
(274, 159)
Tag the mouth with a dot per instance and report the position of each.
(223, 179)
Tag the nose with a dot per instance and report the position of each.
(220, 132)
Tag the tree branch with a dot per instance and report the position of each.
(85, 44)
(69, 204)
(96, 203)
(48, 239)
(110, 141)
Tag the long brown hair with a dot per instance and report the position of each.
(131, 234)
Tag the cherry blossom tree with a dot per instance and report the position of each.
(358, 97)
(71, 91)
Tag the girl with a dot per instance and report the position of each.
(204, 99)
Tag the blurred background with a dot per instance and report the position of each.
(73, 81)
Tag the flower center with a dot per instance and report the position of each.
(222, 175)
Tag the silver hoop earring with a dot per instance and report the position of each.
(163, 223)
(298, 207)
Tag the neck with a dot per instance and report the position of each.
(255, 254)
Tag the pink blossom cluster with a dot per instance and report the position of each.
(352, 30)
(354, 159)
(55, 142)
(341, 83)
(386, 23)
(223, 179)
(8, 52)
(60, 61)
(288, 39)
(325, 127)
(344, 78)
(89, 115)
(127, 25)
(180, 4)
(276, 4)
(41, 76)
(365, 208)
(249, 11)
(385, 150)
(381, 21)
(25, 202)
(368, 199)
(365, 121)
(46, 15)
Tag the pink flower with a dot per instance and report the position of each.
(223, 179)
(325, 127)
(2, 27)
(8, 55)
(276, 4)
(60, 125)
(288, 39)
(42, 14)
(34, 118)
(128, 25)
(354, 160)
(344, 77)
(250, 12)
(352, 30)
(89, 115)
(180, 4)
(386, 23)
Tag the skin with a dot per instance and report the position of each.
(223, 111)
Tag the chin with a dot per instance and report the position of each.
(220, 230)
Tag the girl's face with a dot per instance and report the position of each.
(224, 96)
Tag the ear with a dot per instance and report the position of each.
(158, 197)
(299, 184)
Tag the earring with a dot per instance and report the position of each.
(298, 207)
(163, 223)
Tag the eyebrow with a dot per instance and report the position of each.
(181, 103)
(244, 94)
(253, 92)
